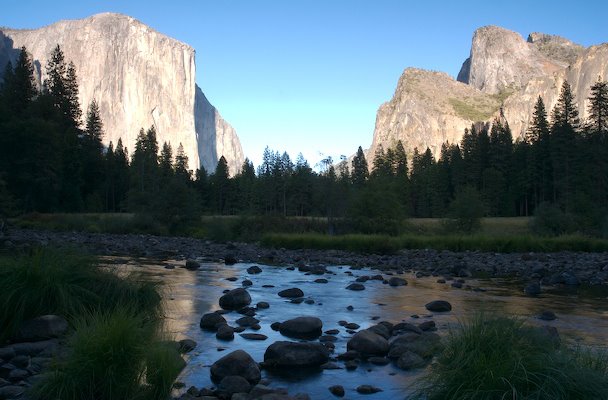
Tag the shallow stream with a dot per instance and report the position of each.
(582, 315)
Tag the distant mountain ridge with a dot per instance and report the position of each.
(504, 71)
(139, 77)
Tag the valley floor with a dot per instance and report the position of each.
(551, 268)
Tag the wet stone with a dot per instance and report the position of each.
(291, 293)
(356, 286)
(253, 336)
(337, 390)
(439, 306)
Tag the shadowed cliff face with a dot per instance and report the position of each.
(138, 76)
(215, 137)
(503, 70)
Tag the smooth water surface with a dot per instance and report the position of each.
(582, 315)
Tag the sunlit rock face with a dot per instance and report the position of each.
(138, 76)
(503, 71)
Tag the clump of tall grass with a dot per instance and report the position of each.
(112, 356)
(68, 284)
(491, 357)
(382, 244)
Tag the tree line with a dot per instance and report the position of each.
(51, 162)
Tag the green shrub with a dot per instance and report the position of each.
(465, 212)
(112, 356)
(492, 357)
(550, 220)
(69, 284)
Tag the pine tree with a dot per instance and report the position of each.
(598, 107)
(72, 103)
(382, 165)
(565, 122)
(92, 159)
(94, 125)
(19, 84)
(165, 161)
(303, 182)
(220, 182)
(539, 164)
(181, 165)
(539, 126)
(360, 170)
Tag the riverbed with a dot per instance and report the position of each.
(582, 314)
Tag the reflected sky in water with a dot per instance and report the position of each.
(582, 315)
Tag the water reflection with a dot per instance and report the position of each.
(582, 315)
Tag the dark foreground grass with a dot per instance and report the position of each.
(491, 358)
(68, 284)
(113, 356)
(380, 244)
(115, 349)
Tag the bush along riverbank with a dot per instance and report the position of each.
(72, 330)
(496, 357)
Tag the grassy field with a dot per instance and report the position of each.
(495, 234)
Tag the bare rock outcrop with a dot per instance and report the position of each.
(504, 72)
(138, 76)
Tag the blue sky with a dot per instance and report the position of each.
(309, 76)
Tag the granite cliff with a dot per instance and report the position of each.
(139, 77)
(503, 71)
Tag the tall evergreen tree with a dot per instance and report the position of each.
(565, 122)
(181, 165)
(220, 187)
(19, 84)
(165, 161)
(360, 169)
(598, 107)
(92, 158)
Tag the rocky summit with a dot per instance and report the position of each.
(139, 77)
(503, 72)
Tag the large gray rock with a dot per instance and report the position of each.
(291, 293)
(237, 363)
(41, 328)
(235, 384)
(368, 343)
(424, 345)
(140, 78)
(212, 321)
(295, 355)
(439, 306)
(235, 299)
(302, 327)
(410, 360)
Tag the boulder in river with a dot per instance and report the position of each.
(291, 293)
(284, 354)
(225, 332)
(368, 343)
(302, 327)
(212, 321)
(235, 299)
(439, 306)
(234, 384)
(254, 270)
(396, 281)
(237, 363)
(192, 265)
(356, 286)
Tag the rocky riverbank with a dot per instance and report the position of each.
(571, 268)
